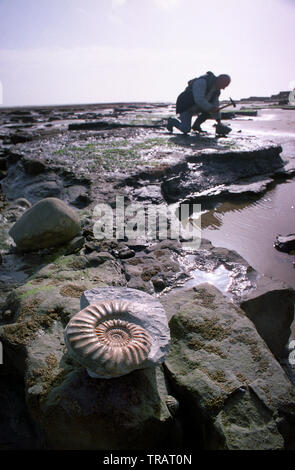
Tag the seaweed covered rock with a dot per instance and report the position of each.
(232, 391)
(80, 412)
(71, 409)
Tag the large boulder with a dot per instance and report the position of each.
(49, 222)
(233, 393)
(270, 306)
(83, 413)
(69, 408)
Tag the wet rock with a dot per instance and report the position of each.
(18, 138)
(226, 270)
(73, 410)
(32, 179)
(285, 243)
(16, 208)
(20, 202)
(232, 392)
(136, 282)
(3, 163)
(126, 253)
(156, 269)
(212, 174)
(151, 193)
(49, 222)
(17, 430)
(90, 246)
(3, 174)
(82, 200)
(124, 413)
(270, 306)
(173, 245)
(12, 157)
(98, 125)
(159, 283)
(136, 245)
(74, 245)
(33, 167)
(19, 184)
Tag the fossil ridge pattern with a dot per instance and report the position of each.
(105, 338)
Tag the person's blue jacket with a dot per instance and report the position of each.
(200, 94)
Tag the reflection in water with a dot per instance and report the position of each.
(220, 278)
(250, 227)
(213, 219)
(251, 230)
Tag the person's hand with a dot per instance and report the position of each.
(214, 110)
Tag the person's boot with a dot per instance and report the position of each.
(222, 130)
(197, 124)
(197, 127)
(169, 125)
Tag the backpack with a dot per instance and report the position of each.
(186, 99)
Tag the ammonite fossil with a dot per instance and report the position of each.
(105, 338)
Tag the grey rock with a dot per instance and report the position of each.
(17, 430)
(159, 283)
(217, 175)
(270, 306)
(150, 193)
(146, 309)
(49, 222)
(125, 413)
(71, 409)
(20, 202)
(126, 253)
(20, 138)
(231, 389)
(285, 243)
(34, 184)
(34, 166)
(74, 245)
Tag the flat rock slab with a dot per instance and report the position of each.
(232, 390)
(245, 167)
(146, 309)
(34, 180)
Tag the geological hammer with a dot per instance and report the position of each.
(232, 103)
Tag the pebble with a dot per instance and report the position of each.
(126, 253)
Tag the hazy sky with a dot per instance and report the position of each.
(91, 51)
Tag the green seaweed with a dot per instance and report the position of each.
(34, 291)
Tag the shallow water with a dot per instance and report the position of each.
(220, 277)
(251, 228)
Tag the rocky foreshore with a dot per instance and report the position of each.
(226, 383)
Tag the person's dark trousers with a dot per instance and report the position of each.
(200, 119)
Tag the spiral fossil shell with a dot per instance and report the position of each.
(104, 338)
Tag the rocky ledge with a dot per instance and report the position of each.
(225, 383)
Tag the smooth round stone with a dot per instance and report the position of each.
(49, 222)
